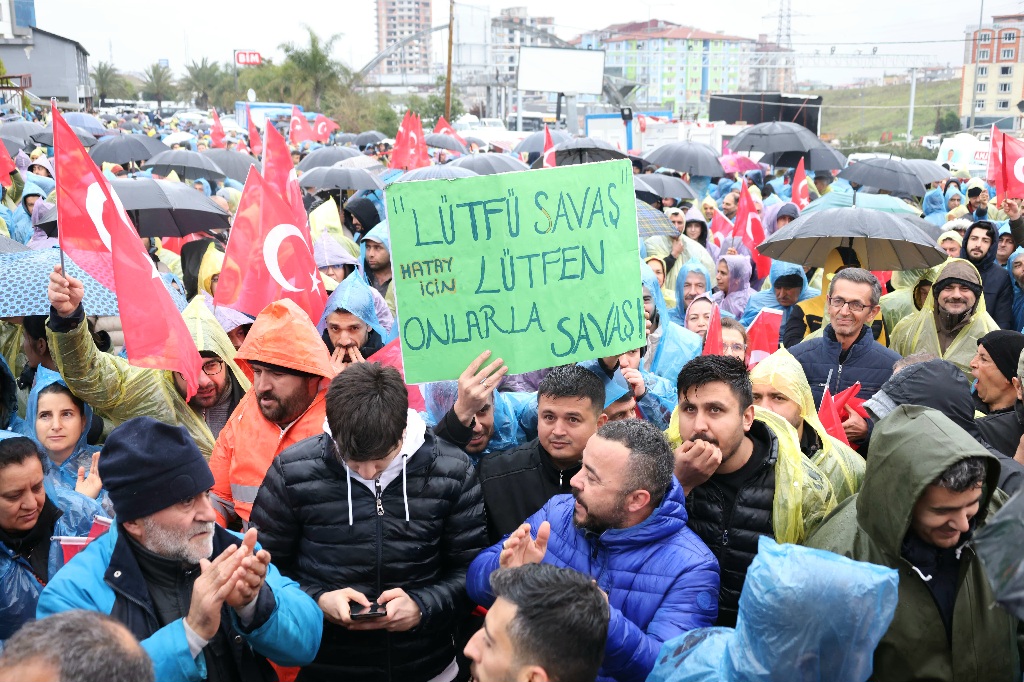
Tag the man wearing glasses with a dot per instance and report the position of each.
(846, 352)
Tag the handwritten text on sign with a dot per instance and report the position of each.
(542, 267)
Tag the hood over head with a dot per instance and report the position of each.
(210, 337)
(43, 378)
(739, 272)
(211, 264)
(440, 396)
(329, 249)
(990, 256)
(365, 211)
(282, 335)
(934, 202)
(684, 271)
(355, 296)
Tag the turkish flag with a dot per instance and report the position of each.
(217, 132)
(6, 167)
(762, 334)
(410, 150)
(829, 417)
(996, 171)
(268, 258)
(847, 401)
(748, 227)
(549, 149)
(254, 134)
(391, 356)
(280, 175)
(298, 128)
(323, 127)
(174, 244)
(1013, 167)
(801, 192)
(96, 233)
(713, 337)
(721, 227)
(445, 128)
(240, 146)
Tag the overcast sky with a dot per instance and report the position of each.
(135, 36)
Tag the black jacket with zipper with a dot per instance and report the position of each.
(518, 482)
(302, 512)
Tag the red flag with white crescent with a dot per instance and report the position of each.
(217, 132)
(323, 127)
(801, 192)
(410, 150)
(298, 128)
(549, 150)
(445, 128)
(255, 144)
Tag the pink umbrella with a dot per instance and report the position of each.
(737, 163)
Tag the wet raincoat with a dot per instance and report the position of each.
(872, 525)
(1018, 292)
(515, 414)
(209, 266)
(901, 303)
(661, 247)
(843, 467)
(934, 207)
(766, 298)
(19, 585)
(657, 402)
(735, 302)
(381, 233)
(771, 216)
(669, 346)
(918, 332)
(327, 218)
(363, 301)
(119, 391)
(282, 335)
(9, 418)
(21, 229)
(331, 249)
(951, 190)
(678, 313)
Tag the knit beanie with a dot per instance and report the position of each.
(147, 466)
(1004, 347)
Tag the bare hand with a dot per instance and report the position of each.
(403, 613)
(335, 605)
(635, 381)
(255, 565)
(1012, 208)
(90, 485)
(218, 580)
(343, 356)
(855, 426)
(731, 252)
(696, 461)
(521, 548)
(476, 385)
(677, 247)
(65, 293)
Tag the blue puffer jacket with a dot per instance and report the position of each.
(19, 587)
(868, 362)
(661, 580)
(106, 578)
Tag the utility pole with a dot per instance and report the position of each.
(974, 78)
(448, 81)
(910, 115)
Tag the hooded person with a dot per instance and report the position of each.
(21, 230)
(351, 321)
(979, 247)
(951, 242)
(917, 515)
(778, 216)
(375, 263)
(192, 255)
(780, 386)
(39, 239)
(118, 391)
(40, 171)
(695, 218)
(788, 287)
(708, 207)
(209, 270)
(506, 423)
(952, 196)
(676, 253)
(911, 289)
(692, 280)
(669, 345)
(360, 216)
(976, 207)
(1016, 270)
(934, 207)
(335, 257)
(733, 289)
(952, 319)
(657, 263)
(291, 370)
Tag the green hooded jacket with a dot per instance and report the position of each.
(910, 448)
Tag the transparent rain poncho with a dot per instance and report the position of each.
(356, 296)
(670, 346)
(515, 414)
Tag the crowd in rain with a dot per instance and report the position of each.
(828, 500)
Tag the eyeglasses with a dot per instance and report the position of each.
(855, 306)
(212, 368)
(734, 347)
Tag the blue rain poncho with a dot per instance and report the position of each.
(669, 346)
(657, 402)
(766, 299)
(356, 296)
(678, 313)
(515, 414)
(934, 207)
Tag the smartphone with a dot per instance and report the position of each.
(360, 612)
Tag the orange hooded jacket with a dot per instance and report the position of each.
(282, 335)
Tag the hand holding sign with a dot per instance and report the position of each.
(476, 386)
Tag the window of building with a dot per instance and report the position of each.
(1004, 87)
(982, 55)
(1007, 53)
(979, 105)
(1003, 104)
(984, 37)
(982, 71)
(1009, 36)
(981, 88)
(1005, 70)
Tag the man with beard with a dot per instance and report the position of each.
(291, 370)
(352, 328)
(980, 245)
(624, 526)
(376, 247)
(204, 605)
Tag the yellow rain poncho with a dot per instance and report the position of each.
(327, 217)
(803, 494)
(900, 303)
(843, 467)
(119, 391)
(692, 250)
(918, 332)
(212, 263)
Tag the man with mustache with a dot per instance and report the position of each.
(204, 603)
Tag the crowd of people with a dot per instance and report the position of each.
(298, 518)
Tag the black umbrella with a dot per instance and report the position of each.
(774, 136)
(325, 157)
(480, 143)
(583, 150)
(129, 125)
(369, 137)
(20, 130)
(108, 117)
(235, 165)
(888, 174)
(159, 208)
(45, 136)
(345, 138)
(821, 158)
(928, 170)
(883, 241)
(446, 171)
(694, 158)
(187, 164)
(442, 141)
(534, 143)
(490, 164)
(668, 186)
(12, 145)
(124, 149)
(336, 177)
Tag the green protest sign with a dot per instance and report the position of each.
(542, 267)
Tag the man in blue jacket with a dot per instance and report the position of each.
(625, 527)
(203, 605)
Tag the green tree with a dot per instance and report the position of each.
(200, 82)
(947, 122)
(432, 107)
(314, 67)
(158, 83)
(109, 83)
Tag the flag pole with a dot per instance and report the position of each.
(56, 180)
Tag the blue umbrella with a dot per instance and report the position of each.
(23, 279)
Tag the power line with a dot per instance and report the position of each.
(809, 105)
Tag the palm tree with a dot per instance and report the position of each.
(314, 66)
(158, 83)
(109, 82)
(200, 82)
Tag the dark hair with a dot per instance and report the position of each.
(735, 325)
(85, 646)
(707, 369)
(573, 381)
(17, 450)
(561, 620)
(963, 475)
(651, 463)
(34, 326)
(858, 276)
(367, 408)
(60, 389)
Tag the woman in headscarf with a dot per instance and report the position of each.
(732, 280)
(698, 315)
(950, 241)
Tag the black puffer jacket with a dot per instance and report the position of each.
(733, 537)
(302, 512)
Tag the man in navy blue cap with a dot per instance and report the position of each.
(204, 605)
